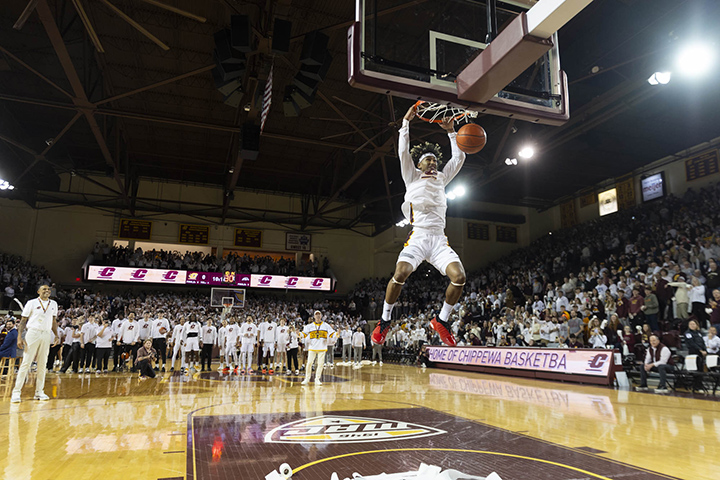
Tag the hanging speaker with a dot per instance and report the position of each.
(314, 47)
(234, 99)
(229, 70)
(250, 141)
(305, 84)
(240, 33)
(225, 52)
(289, 106)
(225, 86)
(317, 72)
(302, 100)
(281, 36)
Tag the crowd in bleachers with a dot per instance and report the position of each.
(119, 256)
(19, 279)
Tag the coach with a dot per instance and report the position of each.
(40, 317)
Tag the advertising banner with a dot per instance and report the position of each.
(295, 283)
(133, 274)
(562, 360)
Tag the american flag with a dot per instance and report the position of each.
(267, 98)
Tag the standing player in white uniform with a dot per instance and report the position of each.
(248, 338)
(221, 343)
(316, 335)
(160, 329)
(117, 348)
(177, 343)
(40, 318)
(232, 333)
(208, 338)
(281, 342)
(346, 336)
(268, 337)
(330, 355)
(191, 339)
(424, 207)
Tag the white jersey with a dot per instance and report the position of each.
(128, 332)
(177, 334)
(268, 331)
(191, 330)
(157, 324)
(40, 314)
(425, 204)
(232, 332)
(89, 332)
(145, 328)
(221, 336)
(116, 324)
(282, 337)
(104, 337)
(346, 336)
(209, 335)
(248, 333)
(358, 339)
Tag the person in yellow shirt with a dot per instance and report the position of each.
(316, 335)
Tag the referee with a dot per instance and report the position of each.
(39, 316)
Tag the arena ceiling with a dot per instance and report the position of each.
(138, 111)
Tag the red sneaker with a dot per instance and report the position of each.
(271, 372)
(380, 332)
(443, 329)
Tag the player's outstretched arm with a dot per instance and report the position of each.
(407, 166)
(458, 156)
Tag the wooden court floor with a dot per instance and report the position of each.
(117, 426)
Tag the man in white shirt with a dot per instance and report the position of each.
(247, 334)
(207, 341)
(103, 346)
(358, 343)
(128, 338)
(39, 317)
(268, 337)
(281, 342)
(160, 329)
(425, 208)
(117, 348)
(712, 342)
(177, 344)
(89, 333)
(221, 343)
(346, 336)
(316, 335)
(191, 339)
(561, 304)
(656, 359)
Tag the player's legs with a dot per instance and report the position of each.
(448, 263)
(311, 355)
(392, 292)
(319, 368)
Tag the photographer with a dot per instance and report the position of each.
(145, 360)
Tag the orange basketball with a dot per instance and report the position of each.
(471, 138)
(163, 330)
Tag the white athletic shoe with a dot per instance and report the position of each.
(304, 382)
(41, 396)
(297, 372)
(318, 382)
(15, 398)
(381, 364)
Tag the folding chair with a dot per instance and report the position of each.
(713, 370)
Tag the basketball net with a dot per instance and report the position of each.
(438, 112)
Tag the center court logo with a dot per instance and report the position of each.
(340, 429)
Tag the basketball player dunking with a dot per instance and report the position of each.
(424, 207)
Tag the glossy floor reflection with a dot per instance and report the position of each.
(117, 426)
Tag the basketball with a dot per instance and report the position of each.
(471, 138)
(163, 330)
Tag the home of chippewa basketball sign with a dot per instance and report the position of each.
(337, 429)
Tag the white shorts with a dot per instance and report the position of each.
(268, 348)
(421, 245)
(192, 344)
(247, 348)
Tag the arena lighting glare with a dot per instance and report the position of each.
(451, 196)
(402, 223)
(527, 152)
(660, 78)
(459, 190)
(511, 161)
(5, 185)
(695, 60)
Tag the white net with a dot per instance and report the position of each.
(437, 112)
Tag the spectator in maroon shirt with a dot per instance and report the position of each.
(635, 305)
(628, 339)
(663, 291)
(715, 305)
(622, 308)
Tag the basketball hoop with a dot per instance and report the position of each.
(437, 112)
(227, 303)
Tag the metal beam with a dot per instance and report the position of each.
(80, 100)
(157, 84)
(25, 14)
(39, 75)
